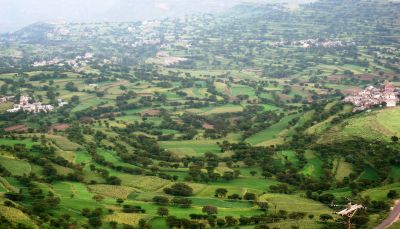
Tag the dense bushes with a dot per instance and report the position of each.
(179, 189)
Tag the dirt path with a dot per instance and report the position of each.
(392, 218)
(119, 83)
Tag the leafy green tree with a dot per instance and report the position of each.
(325, 217)
(210, 210)
(392, 194)
(162, 211)
(221, 192)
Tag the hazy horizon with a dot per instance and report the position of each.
(15, 14)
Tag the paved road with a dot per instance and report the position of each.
(394, 215)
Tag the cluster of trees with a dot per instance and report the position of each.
(179, 189)
(176, 201)
(260, 221)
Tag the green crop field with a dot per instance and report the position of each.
(182, 148)
(15, 166)
(313, 168)
(272, 133)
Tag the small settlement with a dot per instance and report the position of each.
(35, 107)
(372, 96)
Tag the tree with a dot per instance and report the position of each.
(221, 192)
(98, 198)
(210, 210)
(392, 194)
(253, 173)
(113, 224)
(179, 189)
(221, 222)
(249, 196)
(181, 202)
(395, 139)
(161, 200)
(95, 222)
(120, 201)
(211, 221)
(162, 211)
(230, 221)
(263, 206)
(325, 217)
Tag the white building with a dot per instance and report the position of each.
(25, 105)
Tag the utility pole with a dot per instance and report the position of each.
(349, 212)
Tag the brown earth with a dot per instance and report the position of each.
(16, 128)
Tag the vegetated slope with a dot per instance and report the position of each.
(250, 130)
(379, 124)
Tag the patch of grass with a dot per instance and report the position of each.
(111, 156)
(395, 173)
(342, 169)
(112, 191)
(341, 192)
(292, 203)
(190, 148)
(288, 155)
(273, 132)
(159, 223)
(144, 183)
(11, 142)
(125, 218)
(16, 216)
(229, 108)
(74, 197)
(369, 174)
(61, 170)
(5, 106)
(63, 143)
(380, 193)
(380, 124)
(313, 168)
(15, 166)
(7, 185)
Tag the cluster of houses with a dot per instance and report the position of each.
(309, 43)
(371, 96)
(34, 107)
(78, 61)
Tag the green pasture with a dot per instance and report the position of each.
(15, 166)
(191, 147)
(313, 168)
(271, 133)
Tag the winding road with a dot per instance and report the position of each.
(392, 218)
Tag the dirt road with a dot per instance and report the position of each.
(392, 218)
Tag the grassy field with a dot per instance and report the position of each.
(313, 168)
(112, 191)
(64, 143)
(274, 132)
(190, 148)
(15, 216)
(341, 168)
(380, 124)
(380, 193)
(15, 166)
(369, 173)
(12, 142)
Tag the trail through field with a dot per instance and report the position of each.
(119, 83)
(392, 218)
(228, 91)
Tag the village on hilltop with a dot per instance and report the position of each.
(372, 96)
